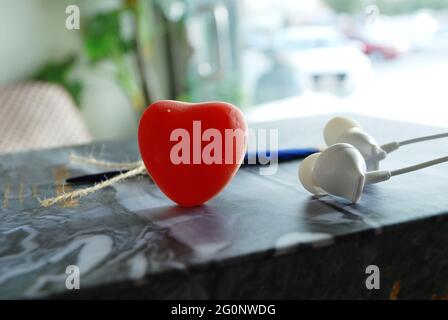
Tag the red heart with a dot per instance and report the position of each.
(190, 183)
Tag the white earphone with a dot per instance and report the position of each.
(345, 130)
(342, 169)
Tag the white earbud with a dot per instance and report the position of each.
(345, 130)
(340, 170)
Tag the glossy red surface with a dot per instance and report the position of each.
(197, 181)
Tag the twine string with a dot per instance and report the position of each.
(105, 164)
(135, 169)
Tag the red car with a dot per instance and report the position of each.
(374, 49)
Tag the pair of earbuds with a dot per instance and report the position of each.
(352, 160)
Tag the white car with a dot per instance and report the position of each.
(324, 58)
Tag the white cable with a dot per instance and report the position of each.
(383, 175)
(418, 166)
(391, 146)
(425, 138)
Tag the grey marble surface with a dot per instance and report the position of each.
(125, 235)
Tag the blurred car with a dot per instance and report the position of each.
(393, 36)
(384, 51)
(324, 58)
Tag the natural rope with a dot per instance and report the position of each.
(138, 168)
(105, 164)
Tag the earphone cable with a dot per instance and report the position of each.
(425, 138)
(419, 166)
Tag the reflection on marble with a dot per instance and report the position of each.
(131, 241)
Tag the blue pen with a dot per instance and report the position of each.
(263, 157)
(256, 158)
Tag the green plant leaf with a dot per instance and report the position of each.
(58, 73)
(102, 36)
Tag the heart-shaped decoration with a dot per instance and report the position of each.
(192, 151)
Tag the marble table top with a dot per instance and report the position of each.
(126, 234)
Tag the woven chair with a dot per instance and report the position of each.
(38, 115)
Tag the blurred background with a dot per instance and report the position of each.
(272, 58)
